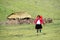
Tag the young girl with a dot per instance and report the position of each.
(38, 23)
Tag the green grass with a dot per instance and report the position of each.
(28, 32)
(46, 8)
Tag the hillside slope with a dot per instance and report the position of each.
(47, 8)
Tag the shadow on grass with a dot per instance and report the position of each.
(35, 35)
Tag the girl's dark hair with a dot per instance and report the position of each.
(38, 15)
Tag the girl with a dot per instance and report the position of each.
(38, 23)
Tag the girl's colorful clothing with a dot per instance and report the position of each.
(40, 20)
(38, 23)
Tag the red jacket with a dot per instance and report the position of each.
(41, 20)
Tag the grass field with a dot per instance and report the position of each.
(46, 8)
(28, 32)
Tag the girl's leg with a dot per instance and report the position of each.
(37, 30)
(40, 30)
